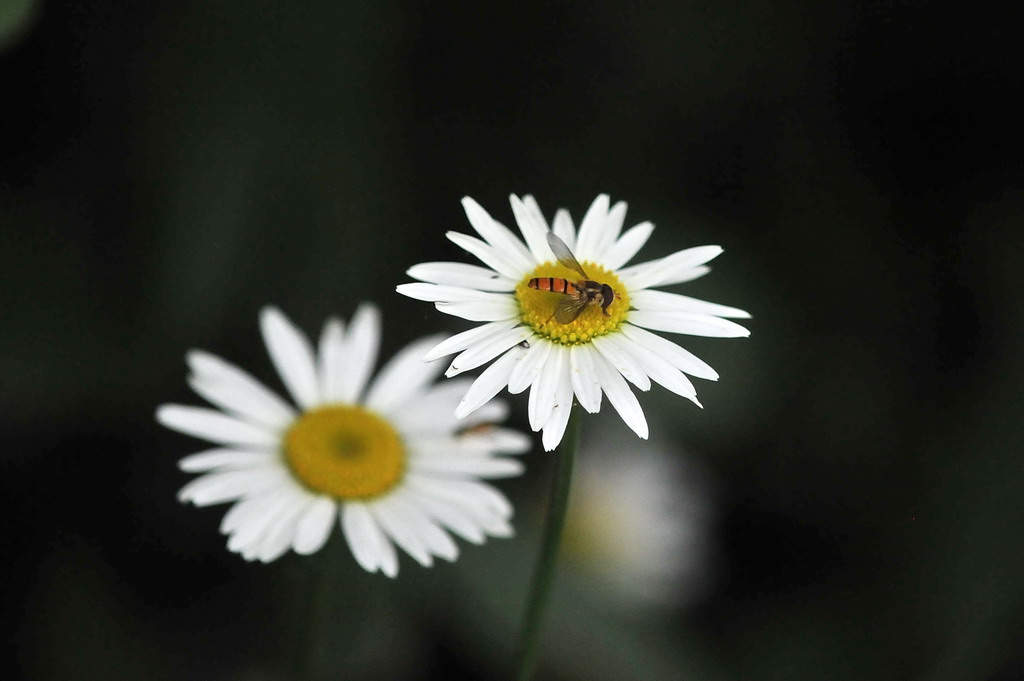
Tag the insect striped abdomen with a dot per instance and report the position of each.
(554, 284)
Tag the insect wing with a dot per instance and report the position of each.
(569, 308)
(564, 255)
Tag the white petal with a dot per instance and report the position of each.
(437, 541)
(488, 383)
(246, 538)
(502, 440)
(245, 510)
(278, 538)
(627, 246)
(361, 345)
(620, 396)
(583, 375)
(663, 300)
(314, 527)
(497, 235)
(620, 358)
(671, 269)
(484, 352)
(542, 394)
(493, 523)
(485, 506)
(434, 414)
(461, 341)
(226, 460)
(498, 261)
(457, 465)
(678, 357)
(332, 352)
(688, 323)
(236, 391)
(216, 488)
(687, 275)
(490, 310)
(610, 233)
(446, 294)
(493, 412)
(399, 530)
(525, 373)
(461, 274)
(555, 426)
(366, 540)
(662, 372)
(450, 516)
(590, 229)
(533, 226)
(292, 354)
(467, 493)
(404, 376)
(563, 228)
(216, 427)
(496, 527)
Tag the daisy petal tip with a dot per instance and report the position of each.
(464, 410)
(452, 370)
(367, 308)
(270, 313)
(164, 414)
(195, 357)
(433, 355)
(502, 532)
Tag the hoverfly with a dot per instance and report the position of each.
(579, 294)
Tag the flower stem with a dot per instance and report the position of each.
(317, 613)
(544, 573)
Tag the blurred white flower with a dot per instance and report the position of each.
(638, 529)
(526, 293)
(389, 458)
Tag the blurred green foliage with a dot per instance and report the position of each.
(14, 18)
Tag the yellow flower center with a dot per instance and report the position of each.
(537, 307)
(345, 451)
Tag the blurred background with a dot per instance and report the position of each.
(846, 506)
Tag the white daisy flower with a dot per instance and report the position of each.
(638, 527)
(567, 352)
(389, 458)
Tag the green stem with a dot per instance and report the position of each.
(316, 612)
(544, 573)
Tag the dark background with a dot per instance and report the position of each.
(168, 168)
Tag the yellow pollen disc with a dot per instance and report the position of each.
(345, 451)
(536, 307)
